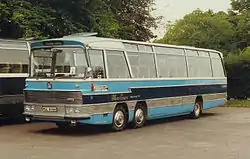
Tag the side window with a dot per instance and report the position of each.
(14, 61)
(130, 47)
(218, 70)
(171, 63)
(147, 66)
(199, 64)
(168, 50)
(97, 63)
(117, 65)
(145, 48)
(204, 62)
(142, 64)
(134, 63)
(81, 63)
(5, 67)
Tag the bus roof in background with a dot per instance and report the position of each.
(13, 44)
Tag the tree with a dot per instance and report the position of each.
(56, 18)
(201, 29)
(238, 74)
(134, 18)
(83, 15)
(240, 18)
(30, 19)
(240, 5)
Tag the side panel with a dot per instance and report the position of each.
(164, 98)
(11, 96)
(12, 86)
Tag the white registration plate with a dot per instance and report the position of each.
(49, 109)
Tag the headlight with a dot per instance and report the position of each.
(72, 110)
(29, 108)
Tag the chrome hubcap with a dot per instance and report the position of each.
(197, 109)
(139, 116)
(119, 118)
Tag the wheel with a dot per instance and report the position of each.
(139, 117)
(119, 119)
(197, 110)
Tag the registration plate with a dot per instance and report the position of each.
(49, 109)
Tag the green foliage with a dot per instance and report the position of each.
(240, 5)
(201, 29)
(56, 18)
(232, 58)
(134, 18)
(226, 32)
(238, 72)
(240, 17)
(238, 103)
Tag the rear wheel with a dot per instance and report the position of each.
(119, 119)
(139, 116)
(197, 110)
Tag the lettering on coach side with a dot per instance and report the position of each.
(119, 98)
(135, 97)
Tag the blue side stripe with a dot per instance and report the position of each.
(115, 86)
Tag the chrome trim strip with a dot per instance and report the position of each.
(122, 79)
(211, 97)
(107, 108)
(189, 99)
(163, 102)
(14, 48)
(9, 75)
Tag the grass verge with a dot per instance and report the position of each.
(238, 103)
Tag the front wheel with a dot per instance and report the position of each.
(119, 119)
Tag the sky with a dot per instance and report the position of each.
(176, 9)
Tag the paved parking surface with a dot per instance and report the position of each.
(222, 133)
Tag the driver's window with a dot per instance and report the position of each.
(97, 63)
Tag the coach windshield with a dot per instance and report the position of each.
(58, 62)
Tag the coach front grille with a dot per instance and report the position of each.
(53, 97)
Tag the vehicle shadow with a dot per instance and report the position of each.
(178, 119)
(12, 121)
(83, 130)
(91, 130)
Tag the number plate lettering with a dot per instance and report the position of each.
(49, 109)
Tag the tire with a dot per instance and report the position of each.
(197, 110)
(139, 116)
(120, 117)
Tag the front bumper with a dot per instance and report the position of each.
(62, 112)
(30, 118)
